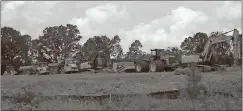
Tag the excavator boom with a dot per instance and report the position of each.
(221, 38)
(208, 46)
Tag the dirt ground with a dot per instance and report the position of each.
(96, 84)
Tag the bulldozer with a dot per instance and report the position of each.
(158, 62)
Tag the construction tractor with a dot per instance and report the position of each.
(68, 66)
(208, 57)
(158, 62)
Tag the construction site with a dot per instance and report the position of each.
(158, 82)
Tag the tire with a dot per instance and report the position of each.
(157, 66)
(142, 66)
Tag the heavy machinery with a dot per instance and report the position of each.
(208, 56)
(98, 62)
(158, 62)
(40, 68)
(68, 66)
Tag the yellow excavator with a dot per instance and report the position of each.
(208, 56)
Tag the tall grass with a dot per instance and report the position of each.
(142, 102)
(192, 98)
(194, 90)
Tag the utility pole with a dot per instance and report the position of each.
(236, 47)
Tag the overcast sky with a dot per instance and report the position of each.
(157, 24)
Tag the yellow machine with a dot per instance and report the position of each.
(208, 56)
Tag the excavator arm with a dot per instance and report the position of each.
(208, 51)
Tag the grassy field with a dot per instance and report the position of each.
(40, 92)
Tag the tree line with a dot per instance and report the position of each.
(60, 42)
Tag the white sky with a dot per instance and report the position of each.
(157, 24)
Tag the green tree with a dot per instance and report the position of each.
(110, 47)
(34, 50)
(195, 44)
(134, 50)
(59, 42)
(116, 50)
(12, 48)
(26, 47)
(174, 51)
(38, 52)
